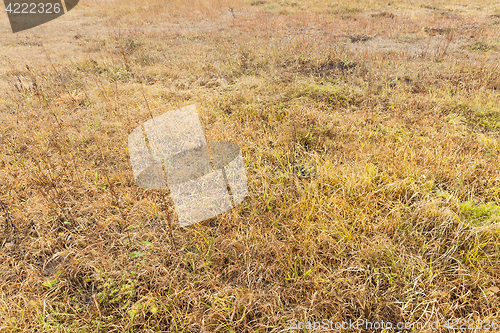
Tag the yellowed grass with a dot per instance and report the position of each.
(370, 134)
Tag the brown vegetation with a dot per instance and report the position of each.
(370, 132)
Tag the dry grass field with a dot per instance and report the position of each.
(370, 132)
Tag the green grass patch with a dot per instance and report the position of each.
(480, 214)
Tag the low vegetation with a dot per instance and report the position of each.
(371, 137)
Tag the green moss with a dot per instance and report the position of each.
(480, 214)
